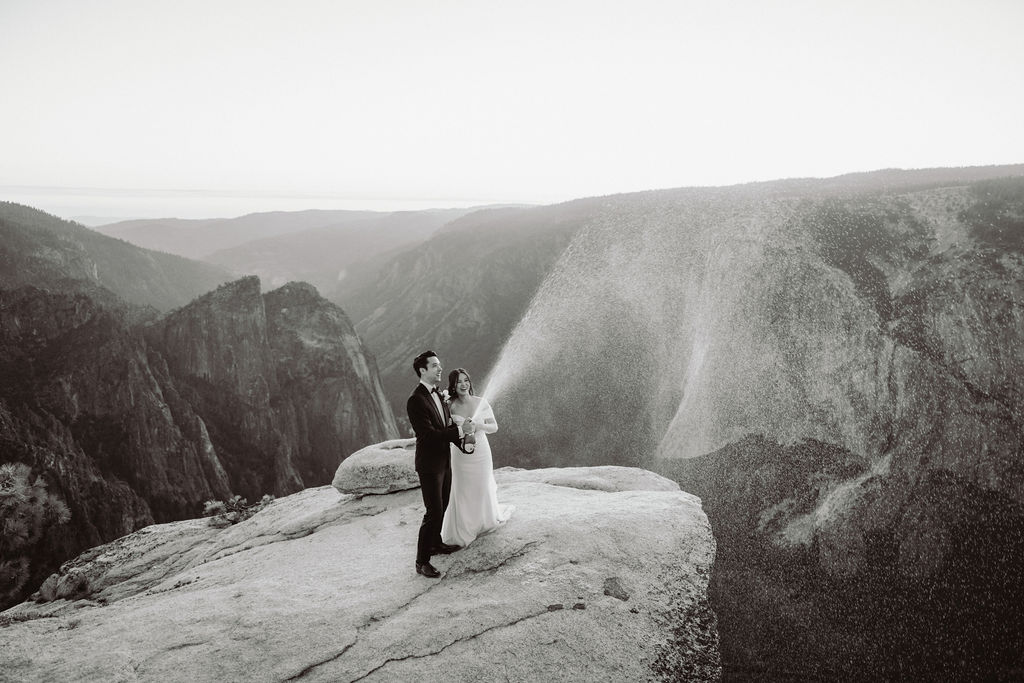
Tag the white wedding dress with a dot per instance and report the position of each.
(473, 505)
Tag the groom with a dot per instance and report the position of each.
(432, 423)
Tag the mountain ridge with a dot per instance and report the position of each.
(45, 251)
(193, 237)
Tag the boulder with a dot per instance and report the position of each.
(380, 468)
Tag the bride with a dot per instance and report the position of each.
(473, 507)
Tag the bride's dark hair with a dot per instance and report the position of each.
(453, 379)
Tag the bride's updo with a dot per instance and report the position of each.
(453, 379)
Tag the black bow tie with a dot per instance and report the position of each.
(435, 391)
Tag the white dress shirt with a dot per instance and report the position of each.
(437, 402)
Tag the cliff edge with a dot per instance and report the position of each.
(601, 574)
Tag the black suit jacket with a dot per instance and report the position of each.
(433, 432)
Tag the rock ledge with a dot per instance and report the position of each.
(597, 577)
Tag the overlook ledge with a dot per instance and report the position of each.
(604, 579)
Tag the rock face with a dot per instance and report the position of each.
(284, 379)
(816, 541)
(93, 411)
(237, 393)
(330, 397)
(583, 583)
(887, 322)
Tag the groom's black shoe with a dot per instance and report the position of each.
(426, 569)
(444, 549)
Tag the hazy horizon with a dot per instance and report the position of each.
(101, 206)
(98, 206)
(399, 103)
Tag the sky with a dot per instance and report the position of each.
(222, 107)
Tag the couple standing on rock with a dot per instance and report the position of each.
(453, 461)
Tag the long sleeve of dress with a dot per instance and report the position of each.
(484, 418)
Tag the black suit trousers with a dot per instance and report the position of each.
(436, 488)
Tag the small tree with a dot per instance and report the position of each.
(27, 510)
(224, 513)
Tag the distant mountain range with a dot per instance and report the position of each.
(251, 240)
(94, 221)
(197, 238)
(326, 256)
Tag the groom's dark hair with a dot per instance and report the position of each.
(420, 362)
